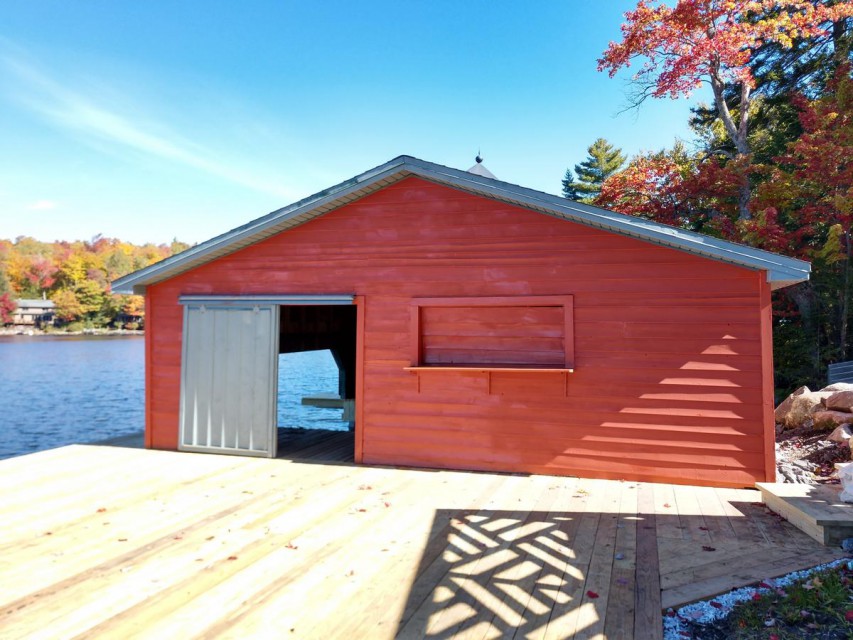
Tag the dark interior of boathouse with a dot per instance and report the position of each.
(316, 328)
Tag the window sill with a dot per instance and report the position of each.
(488, 368)
(490, 371)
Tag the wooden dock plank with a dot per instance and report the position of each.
(620, 611)
(567, 549)
(384, 611)
(586, 616)
(693, 526)
(668, 523)
(484, 544)
(734, 505)
(283, 553)
(514, 583)
(741, 575)
(647, 597)
(226, 547)
(818, 502)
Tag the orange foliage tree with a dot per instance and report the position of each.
(77, 275)
(713, 41)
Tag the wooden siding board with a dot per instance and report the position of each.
(768, 386)
(670, 354)
(150, 333)
(360, 378)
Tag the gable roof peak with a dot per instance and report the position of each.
(780, 271)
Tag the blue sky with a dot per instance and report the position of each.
(155, 120)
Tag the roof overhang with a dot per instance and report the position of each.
(781, 271)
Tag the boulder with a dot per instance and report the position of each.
(835, 417)
(804, 407)
(785, 406)
(840, 401)
(839, 386)
(842, 433)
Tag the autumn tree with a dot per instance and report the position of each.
(67, 307)
(7, 309)
(806, 209)
(76, 275)
(652, 186)
(602, 161)
(714, 42)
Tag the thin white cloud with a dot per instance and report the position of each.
(62, 106)
(42, 205)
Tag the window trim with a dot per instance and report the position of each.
(564, 301)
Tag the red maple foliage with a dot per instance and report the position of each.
(811, 189)
(698, 40)
(7, 308)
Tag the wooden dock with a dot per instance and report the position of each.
(112, 542)
(816, 509)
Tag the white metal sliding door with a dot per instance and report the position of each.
(229, 378)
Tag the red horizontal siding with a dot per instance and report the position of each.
(670, 352)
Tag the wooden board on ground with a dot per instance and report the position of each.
(192, 545)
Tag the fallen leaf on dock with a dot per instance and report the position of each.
(102, 510)
(232, 557)
(705, 547)
(591, 594)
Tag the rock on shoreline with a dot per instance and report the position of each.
(31, 331)
(813, 432)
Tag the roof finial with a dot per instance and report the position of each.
(479, 158)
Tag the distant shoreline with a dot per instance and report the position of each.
(31, 331)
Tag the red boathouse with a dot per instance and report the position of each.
(477, 325)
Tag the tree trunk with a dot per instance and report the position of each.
(743, 197)
(738, 133)
(840, 41)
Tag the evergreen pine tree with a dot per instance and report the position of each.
(570, 190)
(603, 160)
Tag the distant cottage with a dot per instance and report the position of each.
(36, 312)
(477, 325)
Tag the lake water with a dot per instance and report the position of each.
(59, 390)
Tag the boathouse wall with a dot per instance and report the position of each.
(612, 357)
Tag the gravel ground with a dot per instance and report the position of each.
(805, 455)
(705, 620)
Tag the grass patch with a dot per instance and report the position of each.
(819, 606)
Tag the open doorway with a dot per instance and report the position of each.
(316, 382)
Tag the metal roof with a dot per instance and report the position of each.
(34, 303)
(781, 271)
